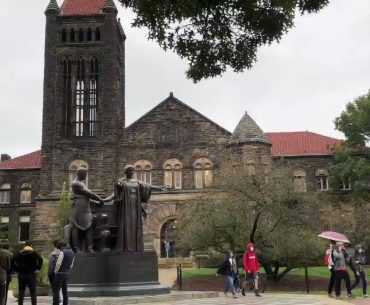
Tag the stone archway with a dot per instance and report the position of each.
(168, 238)
(161, 215)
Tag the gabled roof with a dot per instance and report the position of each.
(82, 7)
(301, 143)
(248, 131)
(29, 161)
(172, 98)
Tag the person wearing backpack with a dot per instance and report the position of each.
(252, 268)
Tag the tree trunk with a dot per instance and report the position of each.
(254, 228)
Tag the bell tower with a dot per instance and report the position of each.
(84, 98)
(84, 109)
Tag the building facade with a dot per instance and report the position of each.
(171, 145)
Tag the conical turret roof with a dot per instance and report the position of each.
(53, 6)
(109, 5)
(248, 131)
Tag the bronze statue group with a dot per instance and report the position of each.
(338, 259)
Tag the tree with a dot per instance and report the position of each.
(265, 210)
(214, 35)
(352, 162)
(64, 209)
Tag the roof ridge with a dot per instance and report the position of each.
(172, 97)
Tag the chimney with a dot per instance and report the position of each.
(5, 157)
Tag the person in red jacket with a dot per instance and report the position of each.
(251, 267)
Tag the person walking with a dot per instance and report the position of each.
(167, 246)
(27, 263)
(229, 269)
(63, 267)
(53, 256)
(5, 265)
(340, 268)
(329, 262)
(359, 271)
(251, 268)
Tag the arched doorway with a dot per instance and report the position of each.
(168, 238)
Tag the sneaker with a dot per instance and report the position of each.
(234, 296)
(330, 295)
(349, 295)
(365, 296)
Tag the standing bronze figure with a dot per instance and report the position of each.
(81, 218)
(129, 196)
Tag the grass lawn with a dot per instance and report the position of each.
(316, 275)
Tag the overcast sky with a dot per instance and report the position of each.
(302, 83)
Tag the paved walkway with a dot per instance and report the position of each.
(267, 299)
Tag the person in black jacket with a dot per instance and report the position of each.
(358, 262)
(27, 263)
(229, 269)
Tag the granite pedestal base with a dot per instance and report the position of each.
(115, 274)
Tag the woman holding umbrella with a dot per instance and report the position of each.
(338, 257)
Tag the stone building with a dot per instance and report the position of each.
(171, 145)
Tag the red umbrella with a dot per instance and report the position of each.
(334, 236)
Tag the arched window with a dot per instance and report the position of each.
(300, 180)
(173, 173)
(72, 36)
(81, 35)
(26, 193)
(97, 34)
(89, 34)
(64, 35)
(73, 167)
(5, 193)
(203, 173)
(143, 171)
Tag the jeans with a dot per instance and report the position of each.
(229, 284)
(361, 277)
(3, 293)
(339, 276)
(25, 280)
(61, 282)
(332, 281)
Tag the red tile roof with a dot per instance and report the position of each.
(32, 160)
(301, 143)
(82, 7)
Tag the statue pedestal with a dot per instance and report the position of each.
(115, 274)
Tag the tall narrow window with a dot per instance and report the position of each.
(4, 228)
(251, 167)
(93, 97)
(173, 173)
(143, 171)
(72, 36)
(24, 228)
(26, 193)
(203, 173)
(67, 96)
(64, 35)
(89, 34)
(5, 193)
(81, 35)
(97, 34)
(80, 100)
